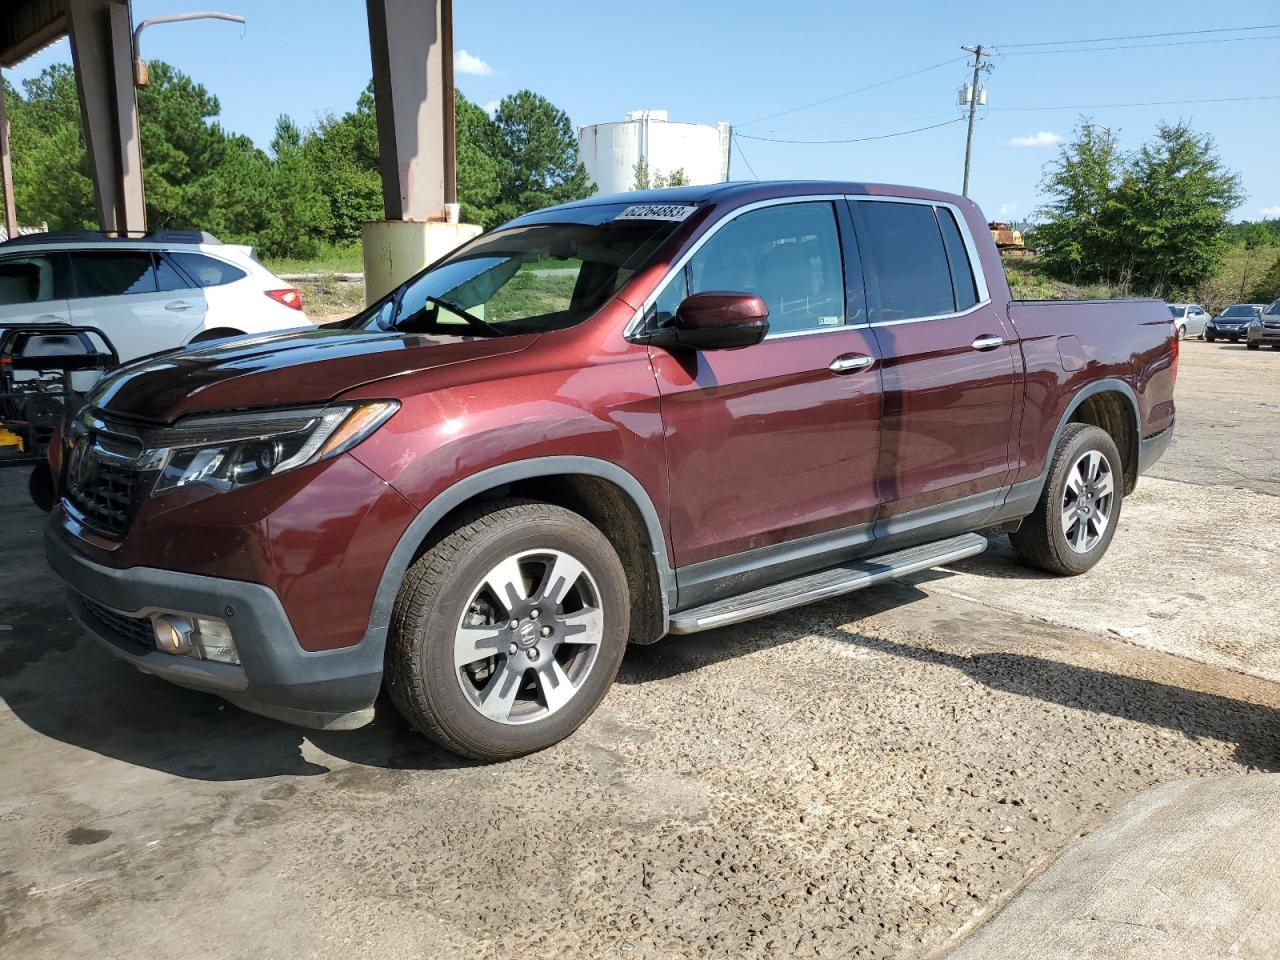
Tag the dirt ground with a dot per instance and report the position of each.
(868, 777)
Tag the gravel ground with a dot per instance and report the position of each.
(867, 777)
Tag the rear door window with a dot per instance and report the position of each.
(910, 262)
(25, 280)
(207, 271)
(113, 273)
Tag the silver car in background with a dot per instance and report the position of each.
(1266, 329)
(1191, 319)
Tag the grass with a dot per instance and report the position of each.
(332, 259)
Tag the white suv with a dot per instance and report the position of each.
(164, 290)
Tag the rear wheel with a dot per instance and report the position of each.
(508, 632)
(1078, 510)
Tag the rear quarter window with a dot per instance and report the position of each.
(207, 271)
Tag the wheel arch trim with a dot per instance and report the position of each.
(1024, 495)
(492, 478)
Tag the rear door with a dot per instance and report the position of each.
(142, 305)
(775, 442)
(948, 368)
(31, 289)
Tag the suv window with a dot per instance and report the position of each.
(910, 263)
(25, 280)
(962, 281)
(112, 274)
(206, 271)
(789, 255)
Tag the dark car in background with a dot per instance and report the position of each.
(1233, 322)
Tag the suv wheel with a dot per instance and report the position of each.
(1251, 345)
(508, 631)
(1077, 513)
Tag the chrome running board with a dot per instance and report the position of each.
(825, 583)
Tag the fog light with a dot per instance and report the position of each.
(173, 634)
(213, 639)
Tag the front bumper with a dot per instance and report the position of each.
(1264, 335)
(330, 689)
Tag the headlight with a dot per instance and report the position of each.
(231, 450)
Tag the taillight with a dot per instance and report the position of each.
(1176, 346)
(289, 296)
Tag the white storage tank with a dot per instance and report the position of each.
(610, 151)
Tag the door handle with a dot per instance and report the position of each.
(177, 306)
(850, 364)
(987, 343)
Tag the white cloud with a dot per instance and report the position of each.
(1007, 210)
(1270, 212)
(491, 107)
(470, 64)
(1044, 138)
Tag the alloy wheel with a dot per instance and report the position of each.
(1087, 501)
(529, 636)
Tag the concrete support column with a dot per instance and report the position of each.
(102, 50)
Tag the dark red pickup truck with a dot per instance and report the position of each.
(606, 421)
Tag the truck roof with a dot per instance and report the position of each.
(747, 191)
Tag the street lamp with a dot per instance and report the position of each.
(140, 76)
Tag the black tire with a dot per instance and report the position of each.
(219, 333)
(1251, 346)
(1209, 337)
(1041, 541)
(421, 675)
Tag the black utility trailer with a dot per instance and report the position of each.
(38, 367)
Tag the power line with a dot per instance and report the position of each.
(1142, 36)
(744, 159)
(883, 136)
(1135, 46)
(1147, 103)
(850, 93)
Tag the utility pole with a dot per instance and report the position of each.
(973, 109)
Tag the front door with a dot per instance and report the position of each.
(776, 442)
(949, 369)
(120, 292)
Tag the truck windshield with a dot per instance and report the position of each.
(1273, 310)
(545, 271)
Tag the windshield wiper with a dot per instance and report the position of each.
(472, 320)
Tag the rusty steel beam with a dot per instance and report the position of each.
(102, 50)
(412, 52)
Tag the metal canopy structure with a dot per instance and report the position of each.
(411, 44)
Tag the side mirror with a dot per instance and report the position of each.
(716, 321)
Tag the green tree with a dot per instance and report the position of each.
(643, 181)
(1077, 238)
(1267, 288)
(478, 163)
(538, 161)
(342, 153)
(1173, 203)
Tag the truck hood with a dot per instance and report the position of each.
(280, 369)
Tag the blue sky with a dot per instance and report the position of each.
(747, 59)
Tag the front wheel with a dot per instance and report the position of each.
(508, 631)
(1076, 516)
(1210, 337)
(1251, 346)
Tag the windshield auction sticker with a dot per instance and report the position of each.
(657, 211)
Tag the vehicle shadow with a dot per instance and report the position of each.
(1253, 728)
(63, 686)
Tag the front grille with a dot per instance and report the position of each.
(129, 631)
(104, 497)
